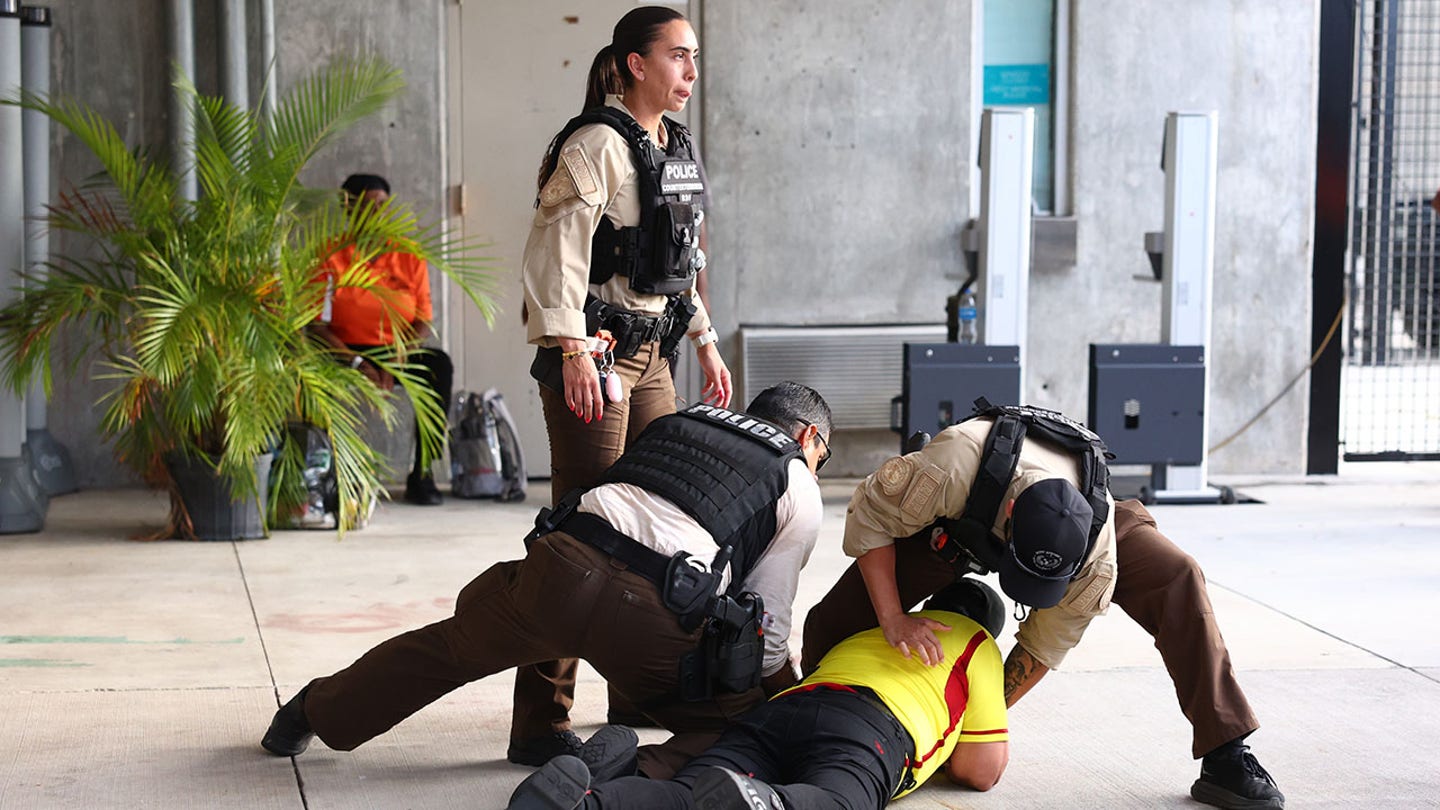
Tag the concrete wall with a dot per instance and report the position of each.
(838, 138)
(839, 149)
(1256, 64)
(119, 63)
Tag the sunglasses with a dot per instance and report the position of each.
(824, 445)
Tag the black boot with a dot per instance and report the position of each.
(719, 788)
(289, 733)
(610, 753)
(421, 490)
(537, 751)
(1231, 777)
(562, 784)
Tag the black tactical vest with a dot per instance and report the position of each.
(726, 470)
(973, 529)
(660, 255)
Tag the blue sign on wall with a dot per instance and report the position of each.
(1017, 84)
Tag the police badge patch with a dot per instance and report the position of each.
(893, 475)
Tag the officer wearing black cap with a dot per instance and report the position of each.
(1032, 504)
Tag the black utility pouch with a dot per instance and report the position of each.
(672, 252)
(547, 369)
(687, 590)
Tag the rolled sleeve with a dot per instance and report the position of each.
(555, 270)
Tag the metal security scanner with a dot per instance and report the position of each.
(941, 380)
(1150, 402)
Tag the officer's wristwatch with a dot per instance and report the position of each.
(705, 338)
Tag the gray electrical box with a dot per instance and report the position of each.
(942, 381)
(1147, 401)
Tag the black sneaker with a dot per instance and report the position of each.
(289, 733)
(719, 788)
(421, 490)
(561, 784)
(537, 751)
(610, 753)
(1235, 780)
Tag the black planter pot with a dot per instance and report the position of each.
(216, 513)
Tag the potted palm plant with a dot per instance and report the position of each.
(195, 312)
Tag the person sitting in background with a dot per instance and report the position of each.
(360, 324)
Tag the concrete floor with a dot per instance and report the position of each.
(142, 674)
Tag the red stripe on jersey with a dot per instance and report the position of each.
(957, 693)
(986, 731)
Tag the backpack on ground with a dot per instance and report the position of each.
(485, 456)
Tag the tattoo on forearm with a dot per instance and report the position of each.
(1018, 667)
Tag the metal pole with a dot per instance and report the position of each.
(234, 77)
(182, 113)
(267, 51)
(22, 503)
(51, 459)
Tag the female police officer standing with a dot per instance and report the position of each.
(614, 246)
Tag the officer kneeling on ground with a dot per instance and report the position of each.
(663, 578)
(1025, 492)
(863, 729)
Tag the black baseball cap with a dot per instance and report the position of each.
(1049, 532)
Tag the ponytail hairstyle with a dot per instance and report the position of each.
(609, 72)
(635, 33)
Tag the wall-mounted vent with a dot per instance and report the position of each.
(856, 368)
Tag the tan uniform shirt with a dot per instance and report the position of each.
(595, 178)
(658, 524)
(910, 492)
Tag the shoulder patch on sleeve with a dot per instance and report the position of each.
(558, 189)
(893, 475)
(919, 503)
(577, 163)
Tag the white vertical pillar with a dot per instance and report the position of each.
(1007, 139)
(12, 210)
(182, 110)
(1191, 140)
(53, 468)
(234, 54)
(22, 503)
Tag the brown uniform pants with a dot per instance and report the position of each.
(1158, 585)
(509, 616)
(579, 455)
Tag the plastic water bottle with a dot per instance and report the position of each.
(969, 329)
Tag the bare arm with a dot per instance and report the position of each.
(1022, 671)
(904, 632)
(978, 766)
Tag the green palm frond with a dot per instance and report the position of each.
(198, 310)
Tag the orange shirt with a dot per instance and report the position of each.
(359, 316)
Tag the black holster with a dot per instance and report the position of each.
(731, 651)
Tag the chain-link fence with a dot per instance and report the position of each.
(1391, 375)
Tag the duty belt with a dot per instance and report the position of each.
(596, 531)
(631, 330)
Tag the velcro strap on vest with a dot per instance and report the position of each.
(593, 530)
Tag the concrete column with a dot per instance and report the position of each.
(50, 458)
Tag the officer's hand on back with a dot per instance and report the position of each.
(915, 634)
